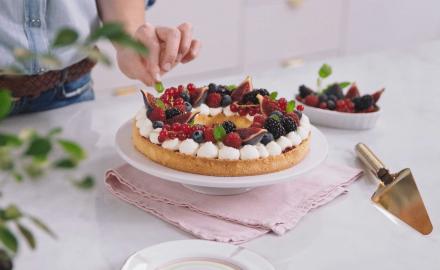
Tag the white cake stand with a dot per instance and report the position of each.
(214, 185)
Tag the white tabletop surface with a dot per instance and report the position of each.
(98, 231)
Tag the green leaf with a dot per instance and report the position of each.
(231, 87)
(17, 176)
(219, 133)
(73, 149)
(39, 148)
(65, 163)
(34, 169)
(9, 140)
(54, 131)
(8, 239)
(159, 87)
(325, 71)
(273, 95)
(27, 234)
(107, 30)
(344, 84)
(42, 226)
(65, 37)
(5, 102)
(160, 104)
(12, 212)
(86, 183)
(290, 106)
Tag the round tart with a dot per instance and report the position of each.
(221, 130)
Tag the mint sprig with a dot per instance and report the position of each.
(219, 133)
(273, 95)
(159, 87)
(160, 104)
(290, 106)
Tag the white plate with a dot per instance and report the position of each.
(124, 146)
(354, 121)
(196, 255)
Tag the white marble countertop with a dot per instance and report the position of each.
(98, 231)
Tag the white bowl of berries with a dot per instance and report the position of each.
(332, 108)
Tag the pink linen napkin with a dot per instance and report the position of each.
(237, 218)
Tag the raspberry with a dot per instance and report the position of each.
(229, 126)
(191, 87)
(176, 127)
(163, 135)
(282, 103)
(178, 101)
(274, 127)
(213, 100)
(234, 107)
(181, 136)
(312, 100)
(233, 140)
(157, 114)
(186, 129)
(171, 112)
(181, 108)
(209, 135)
(289, 124)
(323, 105)
(341, 106)
(300, 108)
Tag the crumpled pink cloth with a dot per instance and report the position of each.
(237, 218)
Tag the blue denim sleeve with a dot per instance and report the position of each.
(149, 3)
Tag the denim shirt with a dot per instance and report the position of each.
(33, 24)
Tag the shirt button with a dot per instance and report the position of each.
(41, 70)
(35, 22)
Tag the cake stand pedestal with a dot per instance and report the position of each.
(217, 191)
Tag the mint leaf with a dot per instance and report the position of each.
(231, 87)
(39, 148)
(344, 84)
(27, 234)
(73, 149)
(5, 102)
(9, 140)
(65, 37)
(325, 71)
(42, 226)
(159, 87)
(290, 106)
(54, 131)
(8, 238)
(273, 95)
(86, 183)
(65, 163)
(160, 104)
(11, 212)
(219, 133)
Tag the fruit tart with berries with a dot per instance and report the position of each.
(222, 130)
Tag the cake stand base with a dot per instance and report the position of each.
(217, 191)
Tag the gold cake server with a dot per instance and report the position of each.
(397, 193)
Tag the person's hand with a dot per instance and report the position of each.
(167, 47)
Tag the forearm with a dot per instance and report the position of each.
(130, 13)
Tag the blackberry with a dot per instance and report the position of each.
(288, 124)
(336, 90)
(363, 103)
(229, 126)
(305, 91)
(171, 112)
(157, 124)
(331, 105)
(267, 138)
(274, 127)
(251, 97)
(212, 88)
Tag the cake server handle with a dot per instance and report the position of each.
(373, 163)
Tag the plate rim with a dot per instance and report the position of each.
(203, 244)
(211, 181)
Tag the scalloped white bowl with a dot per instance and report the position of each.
(334, 119)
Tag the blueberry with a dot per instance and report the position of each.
(185, 96)
(157, 124)
(212, 87)
(323, 98)
(198, 136)
(267, 138)
(222, 90)
(278, 113)
(188, 106)
(226, 100)
(331, 105)
(333, 97)
(336, 90)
